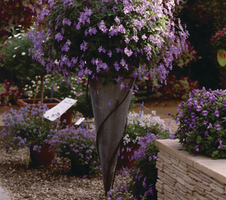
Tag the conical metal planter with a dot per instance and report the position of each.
(110, 107)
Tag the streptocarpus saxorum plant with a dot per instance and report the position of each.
(114, 37)
(78, 145)
(202, 123)
(27, 127)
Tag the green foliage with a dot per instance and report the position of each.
(8, 93)
(178, 89)
(17, 59)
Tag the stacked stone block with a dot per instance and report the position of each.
(178, 180)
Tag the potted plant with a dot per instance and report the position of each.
(137, 127)
(28, 128)
(78, 145)
(202, 125)
(109, 41)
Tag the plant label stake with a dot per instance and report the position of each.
(80, 121)
(52, 90)
(141, 112)
(58, 110)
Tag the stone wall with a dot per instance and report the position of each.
(183, 176)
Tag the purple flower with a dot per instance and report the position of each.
(84, 46)
(102, 26)
(135, 38)
(192, 115)
(122, 85)
(210, 126)
(196, 148)
(109, 103)
(220, 143)
(127, 40)
(101, 49)
(217, 127)
(117, 19)
(216, 113)
(123, 62)
(110, 53)
(198, 108)
(204, 112)
(128, 52)
(206, 134)
(116, 65)
(144, 37)
(66, 21)
(58, 37)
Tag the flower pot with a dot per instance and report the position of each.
(79, 170)
(44, 157)
(110, 107)
(66, 116)
(126, 157)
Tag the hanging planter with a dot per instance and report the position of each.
(110, 107)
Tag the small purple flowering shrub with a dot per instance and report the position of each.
(144, 175)
(202, 123)
(78, 145)
(109, 36)
(27, 127)
(9, 93)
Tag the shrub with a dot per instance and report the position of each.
(178, 89)
(78, 145)
(27, 127)
(202, 123)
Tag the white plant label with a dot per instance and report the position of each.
(58, 110)
(79, 121)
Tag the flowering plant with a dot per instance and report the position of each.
(78, 145)
(202, 123)
(139, 126)
(8, 93)
(109, 36)
(178, 88)
(27, 127)
(218, 41)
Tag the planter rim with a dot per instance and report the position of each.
(21, 102)
(213, 168)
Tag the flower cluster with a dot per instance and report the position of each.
(109, 36)
(144, 175)
(27, 127)
(218, 41)
(8, 93)
(139, 126)
(202, 123)
(78, 145)
(178, 88)
(187, 56)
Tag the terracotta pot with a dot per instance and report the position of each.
(66, 116)
(47, 101)
(126, 155)
(44, 157)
